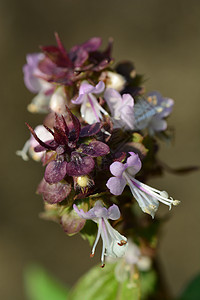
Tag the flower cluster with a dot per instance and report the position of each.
(98, 143)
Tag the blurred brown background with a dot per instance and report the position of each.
(163, 39)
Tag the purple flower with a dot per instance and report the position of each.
(62, 67)
(164, 108)
(91, 110)
(34, 82)
(114, 244)
(31, 72)
(80, 53)
(150, 112)
(121, 108)
(72, 158)
(147, 197)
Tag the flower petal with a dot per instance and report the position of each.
(117, 168)
(80, 99)
(32, 82)
(95, 149)
(99, 88)
(126, 115)
(114, 212)
(100, 211)
(168, 106)
(80, 57)
(58, 101)
(133, 164)
(90, 130)
(85, 215)
(113, 99)
(85, 88)
(157, 124)
(92, 44)
(116, 185)
(115, 243)
(127, 99)
(79, 165)
(55, 171)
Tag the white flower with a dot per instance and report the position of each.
(31, 143)
(40, 103)
(130, 263)
(91, 110)
(114, 244)
(58, 101)
(113, 80)
(147, 197)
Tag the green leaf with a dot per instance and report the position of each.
(39, 285)
(192, 291)
(101, 284)
(148, 283)
(89, 231)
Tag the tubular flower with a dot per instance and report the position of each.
(58, 101)
(132, 262)
(35, 84)
(114, 244)
(113, 80)
(165, 106)
(147, 197)
(91, 110)
(32, 73)
(150, 112)
(121, 108)
(31, 143)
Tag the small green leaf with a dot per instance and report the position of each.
(39, 285)
(89, 231)
(101, 284)
(192, 291)
(148, 283)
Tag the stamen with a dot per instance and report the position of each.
(122, 243)
(176, 202)
(162, 196)
(24, 151)
(97, 239)
(106, 132)
(102, 109)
